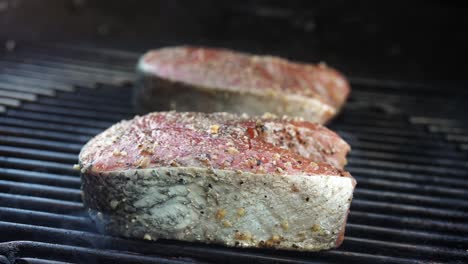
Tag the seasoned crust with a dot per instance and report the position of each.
(258, 144)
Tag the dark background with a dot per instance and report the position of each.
(397, 40)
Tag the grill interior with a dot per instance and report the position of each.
(410, 149)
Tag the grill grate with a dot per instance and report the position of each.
(409, 158)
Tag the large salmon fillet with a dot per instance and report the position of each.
(219, 178)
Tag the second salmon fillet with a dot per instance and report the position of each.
(200, 79)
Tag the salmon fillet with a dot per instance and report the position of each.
(218, 80)
(219, 178)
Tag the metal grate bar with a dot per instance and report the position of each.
(86, 106)
(373, 137)
(414, 159)
(40, 261)
(39, 154)
(408, 210)
(410, 188)
(410, 177)
(71, 73)
(27, 123)
(36, 133)
(408, 149)
(69, 112)
(64, 73)
(40, 190)
(37, 90)
(408, 222)
(47, 76)
(408, 167)
(18, 95)
(56, 64)
(31, 81)
(377, 194)
(40, 204)
(40, 178)
(9, 102)
(99, 58)
(73, 61)
(402, 249)
(452, 130)
(78, 223)
(58, 118)
(389, 131)
(37, 165)
(63, 252)
(40, 144)
(417, 237)
(83, 97)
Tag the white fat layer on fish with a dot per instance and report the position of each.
(233, 208)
